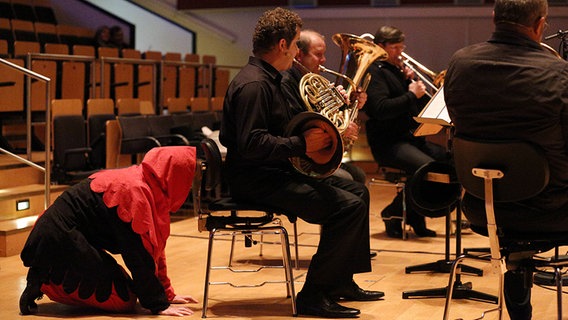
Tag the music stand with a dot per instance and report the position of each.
(433, 118)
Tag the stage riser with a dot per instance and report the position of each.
(20, 182)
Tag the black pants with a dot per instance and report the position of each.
(339, 205)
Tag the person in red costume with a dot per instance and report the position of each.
(119, 211)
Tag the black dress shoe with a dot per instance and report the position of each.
(353, 292)
(373, 254)
(393, 228)
(424, 232)
(320, 305)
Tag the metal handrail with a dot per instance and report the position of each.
(47, 168)
(132, 61)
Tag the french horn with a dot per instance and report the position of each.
(327, 108)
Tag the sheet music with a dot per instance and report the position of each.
(434, 117)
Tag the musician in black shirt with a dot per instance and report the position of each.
(511, 88)
(394, 98)
(255, 115)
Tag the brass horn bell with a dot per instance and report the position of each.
(327, 108)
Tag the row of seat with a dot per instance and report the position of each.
(23, 30)
(81, 145)
(135, 75)
(35, 11)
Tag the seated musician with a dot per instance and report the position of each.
(512, 88)
(394, 98)
(257, 167)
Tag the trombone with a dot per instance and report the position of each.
(429, 77)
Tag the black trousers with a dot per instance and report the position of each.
(339, 205)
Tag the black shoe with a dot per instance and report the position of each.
(372, 254)
(320, 305)
(424, 232)
(352, 292)
(393, 228)
(28, 297)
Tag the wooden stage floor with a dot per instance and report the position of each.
(186, 262)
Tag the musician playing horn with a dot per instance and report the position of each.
(311, 54)
(255, 116)
(394, 98)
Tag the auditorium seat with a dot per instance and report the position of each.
(128, 107)
(66, 107)
(204, 75)
(99, 112)
(83, 50)
(100, 106)
(217, 104)
(143, 75)
(73, 80)
(130, 53)
(73, 35)
(71, 152)
(199, 104)
(23, 10)
(147, 107)
(6, 11)
(44, 12)
(107, 81)
(22, 48)
(123, 76)
(177, 105)
(56, 48)
(6, 33)
(12, 87)
(221, 82)
(23, 30)
(4, 52)
(46, 33)
(147, 76)
(46, 68)
(170, 76)
(188, 76)
(89, 82)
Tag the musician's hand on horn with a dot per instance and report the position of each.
(351, 133)
(418, 88)
(360, 96)
(317, 143)
(343, 92)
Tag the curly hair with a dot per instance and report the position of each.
(272, 26)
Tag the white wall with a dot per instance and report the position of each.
(433, 33)
(152, 32)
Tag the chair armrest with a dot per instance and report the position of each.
(178, 139)
(138, 144)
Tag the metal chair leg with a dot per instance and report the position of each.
(456, 269)
(207, 273)
(287, 260)
(233, 240)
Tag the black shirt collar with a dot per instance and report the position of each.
(267, 67)
(507, 35)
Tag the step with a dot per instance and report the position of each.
(15, 173)
(15, 225)
(32, 194)
(14, 233)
